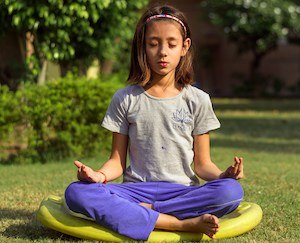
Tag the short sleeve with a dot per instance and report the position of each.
(115, 118)
(205, 119)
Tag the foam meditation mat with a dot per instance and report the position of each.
(53, 214)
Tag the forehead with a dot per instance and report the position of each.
(163, 29)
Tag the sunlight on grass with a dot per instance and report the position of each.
(265, 133)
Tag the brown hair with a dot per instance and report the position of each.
(140, 72)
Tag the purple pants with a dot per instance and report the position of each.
(116, 206)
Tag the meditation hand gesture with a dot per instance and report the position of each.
(235, 171)
(86, 173)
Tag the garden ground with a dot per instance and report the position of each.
(265, 132)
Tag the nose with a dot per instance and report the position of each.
(162, 51)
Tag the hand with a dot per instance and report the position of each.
(235, 171)
(85, 173)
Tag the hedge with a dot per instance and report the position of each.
(56, 120)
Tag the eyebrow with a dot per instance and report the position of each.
(158, 38)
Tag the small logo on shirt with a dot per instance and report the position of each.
(182, 119)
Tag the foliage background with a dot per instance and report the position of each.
(59, 119)
(256, 26)
(62, 118)
(72, 33)
(264, 132)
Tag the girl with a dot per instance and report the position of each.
(164, 122)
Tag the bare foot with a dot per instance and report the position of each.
(146, 205)
(207, 224)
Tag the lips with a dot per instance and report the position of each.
(163, 64)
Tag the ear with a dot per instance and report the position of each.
(186, 46)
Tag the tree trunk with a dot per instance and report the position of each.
(254, 79)
(42, 75)
(22, 46)
(64, 68)
(82, 69)
(106, 66)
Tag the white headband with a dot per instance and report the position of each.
(168, 17)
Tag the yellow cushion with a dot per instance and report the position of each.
(53, 214)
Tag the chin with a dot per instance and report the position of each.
(163, 72)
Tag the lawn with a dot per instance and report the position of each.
(265, 132)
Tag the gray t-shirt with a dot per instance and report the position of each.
(160, 132)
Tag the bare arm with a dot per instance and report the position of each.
(116, 164)
(206, 169)
(113, 168)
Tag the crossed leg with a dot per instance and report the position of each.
(207, 224)
(198, 210)
(174, 207)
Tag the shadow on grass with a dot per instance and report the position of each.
(260, 134)
(284, 105)
(261, 127)
(257, 146)
(33, 231)
(6, 213)
(30, 228)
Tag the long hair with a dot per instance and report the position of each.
(140, 72)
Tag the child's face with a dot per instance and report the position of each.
(164, 47)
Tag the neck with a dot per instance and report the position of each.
(163, 87)
(163, 81)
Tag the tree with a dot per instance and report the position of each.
(72, 33)
(255, 25)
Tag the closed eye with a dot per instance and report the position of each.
(152, 44)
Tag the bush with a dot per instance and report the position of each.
(63, 117)
(9, 115)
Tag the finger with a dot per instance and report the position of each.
(79, 176)
(236, 165)
(241, 170)
(240, 176)
(237, 161)
(231, 171)
(240, 164)
(87, 172)
(228, 172)
(78, 163)
(84, 168)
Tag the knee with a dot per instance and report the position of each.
(79, 194)
(229, 194)
(73, 195)
(230, 190)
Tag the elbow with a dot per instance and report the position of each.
(198, 169)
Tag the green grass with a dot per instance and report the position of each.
(265, 132)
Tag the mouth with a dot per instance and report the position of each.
(163, 64)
